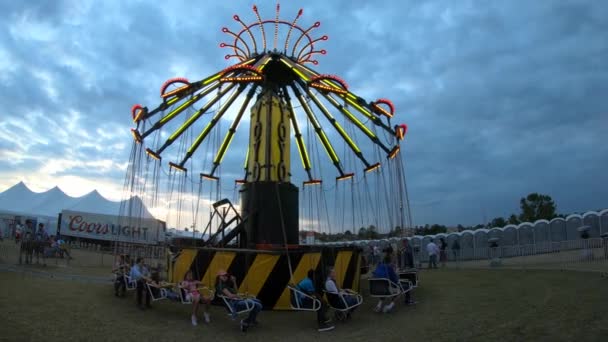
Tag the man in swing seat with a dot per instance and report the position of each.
(307, 286)
(226, 286)
(349, 296)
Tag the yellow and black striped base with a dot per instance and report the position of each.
(266, 274)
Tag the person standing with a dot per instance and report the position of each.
(376, 255)
(407, 255)
(432, 250)
(139, 274)
(120, 270)
(456, 249)
(443, 253)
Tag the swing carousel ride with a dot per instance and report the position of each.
(186, 149)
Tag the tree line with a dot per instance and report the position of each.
(533, 207)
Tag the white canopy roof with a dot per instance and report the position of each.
(20, 199)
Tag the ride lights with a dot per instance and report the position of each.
(372, 167)
(345, 176)
(136, 135)
(138, 112)
(163, 89)
(400, 131)
(153, 154)
(379, 110)
(394, 152)
(312, 182)
(242, 79)
(209, 177)
(177, 167)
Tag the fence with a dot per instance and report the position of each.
(87, 255)
(582, 254)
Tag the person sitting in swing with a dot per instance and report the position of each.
(307, 286)
(192, 294)
(156, 282)
(348, 295)
(385, 270)
(226, 286)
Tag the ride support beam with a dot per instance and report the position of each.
(357, 122)
(318, 130)
(193, 118)
(201, 137)
(232, 130)
(337, 126)
(298, 135)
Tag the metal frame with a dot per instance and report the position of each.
(341, 312)
(297, 294)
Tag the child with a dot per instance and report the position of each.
(190, 287)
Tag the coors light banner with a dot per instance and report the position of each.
(112, 228)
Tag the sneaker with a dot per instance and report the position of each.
(388, 307)
(244, 326)
(194, 321)
(378, 307)
(325, 327)
(327, 321)
(207, 317)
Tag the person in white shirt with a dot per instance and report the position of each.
(348, 295)
(432, 251)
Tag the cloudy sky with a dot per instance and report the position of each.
(502, 98)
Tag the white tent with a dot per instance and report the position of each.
(93, 202)
(19, 200)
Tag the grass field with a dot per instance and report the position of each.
(455, 305)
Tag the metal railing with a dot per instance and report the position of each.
(582, 254)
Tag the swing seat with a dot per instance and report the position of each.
(230, 305)
(411, 275)
(131, 285)
(156, 292)
(338, 302)
(301, 301)
(384, 288)
(185, 299)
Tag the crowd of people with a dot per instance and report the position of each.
(147, 280)
(403, 256)
(39, 242)
(313, 288)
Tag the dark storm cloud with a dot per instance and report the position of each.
(501, 98)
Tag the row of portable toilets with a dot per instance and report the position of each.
(574, 232)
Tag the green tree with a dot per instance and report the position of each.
(498, 222)
(395, 232)
(536, 207)
(513, 219)
(363, 232)
(372, 232)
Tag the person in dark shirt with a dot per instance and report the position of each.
(226, 286)
(307, 286)
(443, 255)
